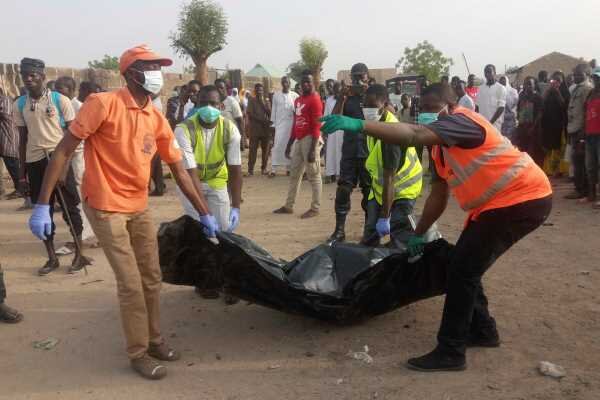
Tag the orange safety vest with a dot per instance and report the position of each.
(494, 175)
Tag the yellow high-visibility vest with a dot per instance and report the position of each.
(212, 167)
(409, 178)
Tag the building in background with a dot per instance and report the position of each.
(550, 62)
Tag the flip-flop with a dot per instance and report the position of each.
(596, 205)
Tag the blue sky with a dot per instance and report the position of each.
(513, 32)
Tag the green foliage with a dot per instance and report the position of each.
(513, 69)
(426, 60)
(313, 54)
(201, 30)
(107, 62)
(294, 70)
(189, 69)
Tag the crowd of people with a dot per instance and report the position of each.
(101, 153)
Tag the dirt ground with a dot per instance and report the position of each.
(544, 294)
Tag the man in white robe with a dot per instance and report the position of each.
(282, 116)
(333, 154)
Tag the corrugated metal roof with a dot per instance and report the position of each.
(265, 71)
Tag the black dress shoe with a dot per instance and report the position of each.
(437, 361)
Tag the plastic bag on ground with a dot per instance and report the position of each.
(344, 282)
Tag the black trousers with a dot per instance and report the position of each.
(35, 174)
(578, 159)
(352, 173)
(12, 165)
(263, 142)
(2, 287)
(479, 246)
(400, 227)
(157, 174)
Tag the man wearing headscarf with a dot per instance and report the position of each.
(554, 123)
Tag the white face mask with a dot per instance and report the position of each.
(371, 114)
(153, 81)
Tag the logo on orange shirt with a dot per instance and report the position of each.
(149, 143)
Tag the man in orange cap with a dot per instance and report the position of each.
(123, 131)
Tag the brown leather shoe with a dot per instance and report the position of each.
(309, 214)
(149, 368)
(163, 352)
(283, 210)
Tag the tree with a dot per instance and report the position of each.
(294, 70)
(189, 69)
(313, 54)
(426, 60)
(107, 62)
(513, 69)
(201, 32)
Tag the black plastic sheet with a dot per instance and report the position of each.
(344, 282)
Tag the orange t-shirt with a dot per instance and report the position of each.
(120, 140)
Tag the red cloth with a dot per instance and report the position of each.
(309, 109)
(472, 91)
(592, 116)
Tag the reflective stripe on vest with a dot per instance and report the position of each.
(462, 174)
(412, 158)
(492, 175)
(407, 181)
(215, 174)
(502, 182)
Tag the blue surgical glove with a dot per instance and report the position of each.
(415, 246)
(332, 123)
(211, 227)
(383, 227)
(40, 222)
(234, 219)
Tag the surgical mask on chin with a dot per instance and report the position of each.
(371, 113)
(209, 114)
(153, 81)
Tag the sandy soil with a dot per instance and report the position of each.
(543, 293)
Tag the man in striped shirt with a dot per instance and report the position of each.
(9, 141)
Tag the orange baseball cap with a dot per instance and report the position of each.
(142, 52)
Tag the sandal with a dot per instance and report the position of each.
(163, 352)
(272, 174)
(9, 315)
(596, 205)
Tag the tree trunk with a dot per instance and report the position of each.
(317, 78)
(201, 69)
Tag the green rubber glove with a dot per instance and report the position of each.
(333, 123)
(415, 245)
